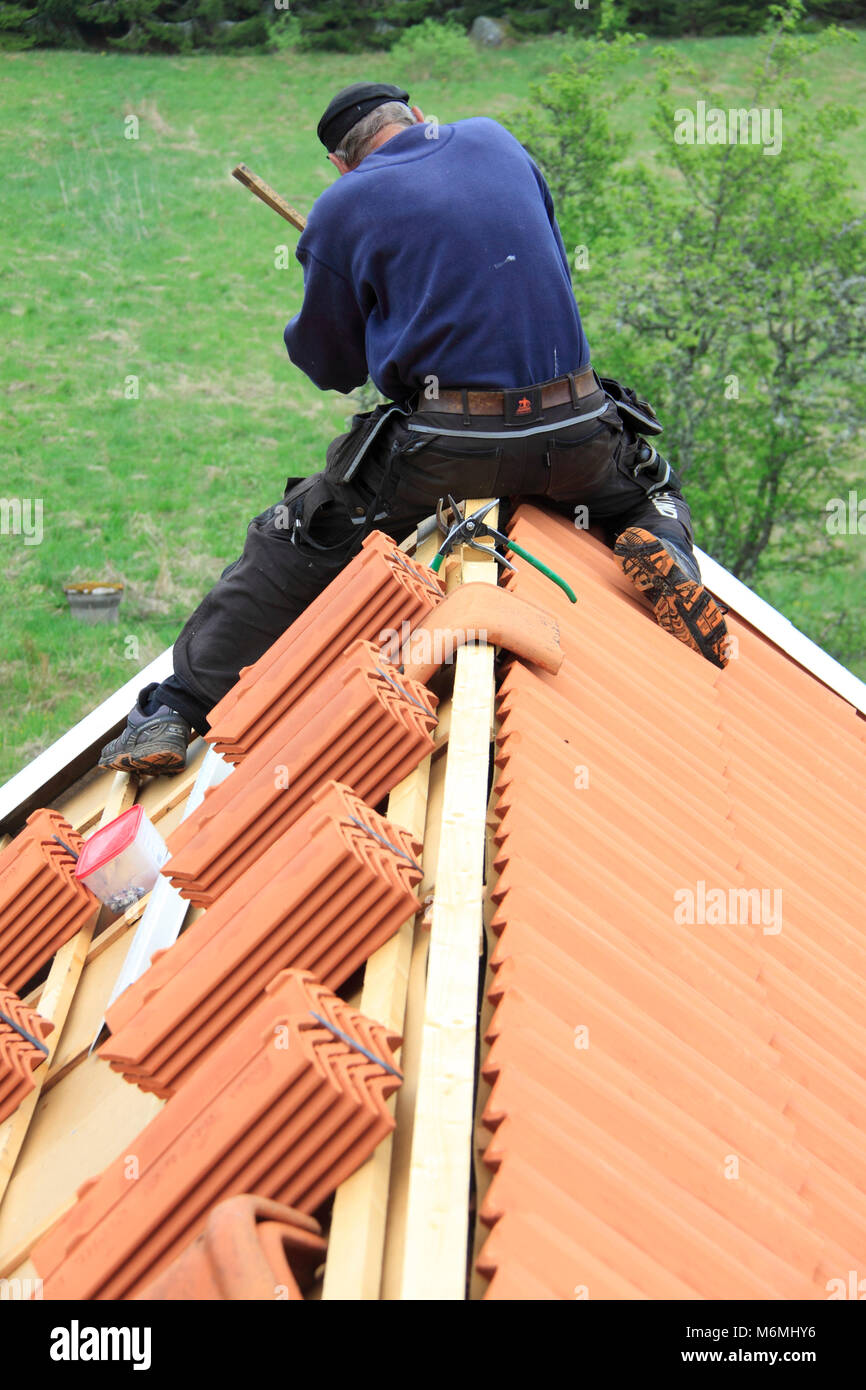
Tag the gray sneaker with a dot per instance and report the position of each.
(151, 743)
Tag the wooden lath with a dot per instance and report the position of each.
(434, 1256)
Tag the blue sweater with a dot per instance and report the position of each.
(437, 257)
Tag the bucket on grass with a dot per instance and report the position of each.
(94, 601)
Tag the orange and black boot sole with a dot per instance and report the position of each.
(156, 747)
(682, 607)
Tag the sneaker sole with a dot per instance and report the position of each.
(160, 762)
(682, 607)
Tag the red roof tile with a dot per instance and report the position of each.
(42, 904)
(327, 893)
(677, 1105)
(362, 723)
(22, 1049)
(287, 1107)
(250, 1249)
(379, 591)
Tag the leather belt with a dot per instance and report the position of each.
(557, 392)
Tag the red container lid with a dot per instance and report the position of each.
(109, 841)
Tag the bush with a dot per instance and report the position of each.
(133, 25)
(15, 22)
(284, 32)
(179, 25)
(432, 50)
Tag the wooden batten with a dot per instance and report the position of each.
(434, 1261)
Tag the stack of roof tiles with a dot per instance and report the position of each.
(362, 723)
(287, 1107)
(22, 1049)
(379, 591)
(42, 904)
(325, 895)
(678, 1092)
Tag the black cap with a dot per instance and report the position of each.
(350, 106)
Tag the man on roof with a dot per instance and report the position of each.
(434, 264)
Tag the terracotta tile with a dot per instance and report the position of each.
(19, 1055)
(380, 589)
(633, 1055)
(251, 1249)
(282, 1104)
(42, 904)
(361, 724)
(326, 894)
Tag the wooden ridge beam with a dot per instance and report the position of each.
(434, 1257)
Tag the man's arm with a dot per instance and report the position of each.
(327, 339)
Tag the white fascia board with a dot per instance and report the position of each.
(76, 751)
(766, 619)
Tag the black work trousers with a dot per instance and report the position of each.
(296, 547)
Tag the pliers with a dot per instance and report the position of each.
(468, 530)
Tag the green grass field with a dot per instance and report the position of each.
(143, 258)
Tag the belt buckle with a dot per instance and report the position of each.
(522, 405)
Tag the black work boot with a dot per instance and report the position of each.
(151, 743)
(669, 577)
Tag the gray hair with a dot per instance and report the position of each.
(355, 143)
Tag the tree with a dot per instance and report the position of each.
(740, 308)
(568, 131)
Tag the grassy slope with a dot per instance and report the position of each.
(145, 258)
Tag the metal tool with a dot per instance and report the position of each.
(469, 530)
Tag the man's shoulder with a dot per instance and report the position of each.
(485, 128)
(331, 206)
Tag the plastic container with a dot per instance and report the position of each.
(121, 861)
(94, 602)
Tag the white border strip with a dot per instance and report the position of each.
(94, 728)
(780, 630)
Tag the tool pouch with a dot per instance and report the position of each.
(346, 453)
(652, 470)
(635, 411)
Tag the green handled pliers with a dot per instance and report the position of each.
(468, 530)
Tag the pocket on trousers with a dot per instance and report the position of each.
(341, 451)
(581, 467)
(317, 522)
(433, 470)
